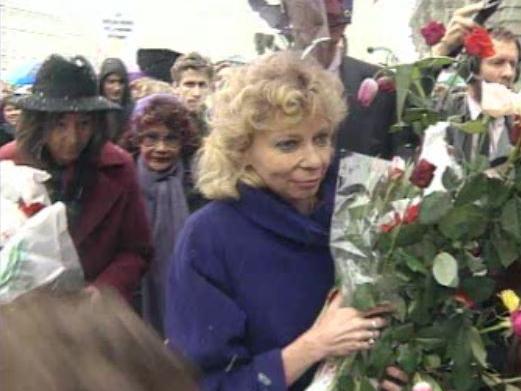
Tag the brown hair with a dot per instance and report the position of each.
(75, 342)
(33, 127)
(164, 109)
(192, 61)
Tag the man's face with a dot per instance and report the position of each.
(193, 88)
(113, 87)
(501, 68)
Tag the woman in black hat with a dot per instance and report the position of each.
(63, 130)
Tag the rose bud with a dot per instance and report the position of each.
(515, 318)
(386, 84)
(396, 169)
(411, 214)
(367, 92)
(433, 32)
(388, 227)
(422, 174)
(422, 386)
(464, 299)
(30, 209)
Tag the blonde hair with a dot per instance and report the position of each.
(145, 86)
(279, 90)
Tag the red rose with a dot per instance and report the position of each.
(367, 92)
(388, 227)
(422, 174)
(433, 32)
(478, 43)
(386, 84)
(464, 299)
(411, 214)
(30, 209)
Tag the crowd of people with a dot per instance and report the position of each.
(206, 204)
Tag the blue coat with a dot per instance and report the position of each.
(248, 277)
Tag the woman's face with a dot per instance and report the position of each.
(159, 146)
(11, 114)
(293, 161)
(69, 136)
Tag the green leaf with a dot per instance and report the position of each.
(463, 223)
(511, 218)
(479, 289)
(506, 248)
(477, 346)
(365, 385)
(471, 127)
(364, 297)
(475, 265)
(416, 265)
(434, 207)
(407, 358)
(403, 81)
(474, 188)
(409, 234)
(432, 361)
(403, 333)
(450, 179)
(434, 62)
(445, 270)
(498, 192)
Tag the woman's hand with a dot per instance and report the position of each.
(394, 380)
(340, 331)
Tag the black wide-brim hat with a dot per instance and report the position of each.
(65, 85)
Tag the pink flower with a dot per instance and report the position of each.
(422, 386)
(433, 32)
(515, 318)
(386, 84)
(396, 169)
(367, 92)
(422, 174)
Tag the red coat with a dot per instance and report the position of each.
(112, 234)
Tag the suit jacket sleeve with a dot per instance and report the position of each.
(205, 322)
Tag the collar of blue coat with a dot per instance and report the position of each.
(266, 209)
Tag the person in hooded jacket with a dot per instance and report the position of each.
(114, 85)
(252, 269)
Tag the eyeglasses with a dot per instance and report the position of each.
(152, 139)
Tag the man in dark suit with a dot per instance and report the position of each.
(501, 68)
(367, 130)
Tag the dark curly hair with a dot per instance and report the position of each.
(164, 109)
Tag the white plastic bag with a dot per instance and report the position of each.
(19, 185)
(41, 252)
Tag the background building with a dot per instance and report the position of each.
(29, 34)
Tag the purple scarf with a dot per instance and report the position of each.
(167, 210)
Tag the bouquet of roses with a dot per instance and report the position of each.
(431, 240)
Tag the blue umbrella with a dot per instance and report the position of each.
(24, 74)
